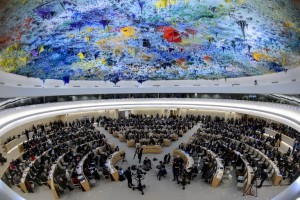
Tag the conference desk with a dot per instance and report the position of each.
(121, 138)
(166, 142)
(276, 176)
(84, 182)
(54, 187)
(218, 175)
(81, 177)
(111, 161)
(115, 134)
(152, 149)
(131, 143)
(188, 160)
(27, 169)
(23, 178)
(250, 171)
(174, 137)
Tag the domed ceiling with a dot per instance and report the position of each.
(148, 39)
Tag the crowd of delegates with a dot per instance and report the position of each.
(251, 128)
(250, 132)
(139, 127)
(282, 128)
(72, 140)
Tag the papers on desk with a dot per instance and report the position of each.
(219, 174)
(25, 172)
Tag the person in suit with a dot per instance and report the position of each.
(2, 159)
(136, 151)
(147, 164)
(27, 134)
(264, 176)
(128, 176)
(140, 154)
(175, 169)
(162, 170)
(167, 158)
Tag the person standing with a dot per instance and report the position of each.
(140, 154)
(167, 158)
(295, 146)
(175, 169)
(128, 176)
(264, 176)
(136, 151)
(27, 134)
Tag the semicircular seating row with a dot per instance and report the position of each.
(148, 130)
(254, 143)
(77, 154)
(248, 154)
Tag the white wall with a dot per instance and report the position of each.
(212, 113)
(19, 129)
(65, 118)
(282, 83)
(73, 116)
(11, 119)
(148, 111)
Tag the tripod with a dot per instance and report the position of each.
(139, 186)
(249, 191)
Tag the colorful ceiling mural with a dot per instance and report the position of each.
(142, 40)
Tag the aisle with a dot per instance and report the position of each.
(130, 151)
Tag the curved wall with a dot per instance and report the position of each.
(284, 83)
(12, 118)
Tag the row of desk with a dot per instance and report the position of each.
(54, 187)
(188, 160)
(84, 182)
(133, 128)
(27, 169)
(218, 175)
(111, 161)
(19, 140)
(276, 177)
(250, 172)
(131, 143)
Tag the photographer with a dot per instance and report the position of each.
(264, 176)
(175, 168)
(140, 154)
(162, 170)
(147, 164)
(184, 178)
(128, 176)
(2, 159)
(167, 158)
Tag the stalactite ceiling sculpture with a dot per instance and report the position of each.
(144, 40)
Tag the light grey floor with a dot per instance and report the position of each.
(165, 189)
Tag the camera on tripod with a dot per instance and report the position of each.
(139, 176)
(140, 173)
